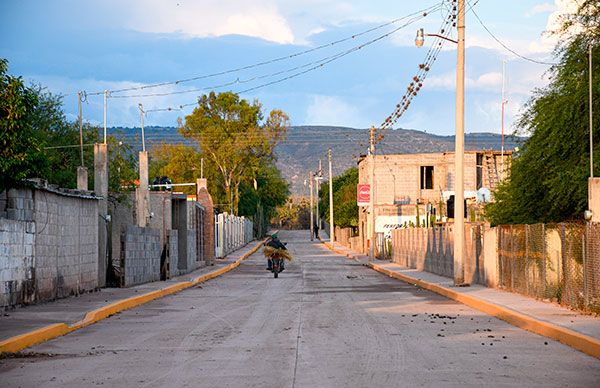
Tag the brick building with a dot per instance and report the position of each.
(409, 183)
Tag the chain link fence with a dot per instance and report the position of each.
(560, 262)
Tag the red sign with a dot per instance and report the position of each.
(363, 194)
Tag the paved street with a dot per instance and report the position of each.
(327, 321)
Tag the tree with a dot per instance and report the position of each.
(345, 207)
(548, 178)
(232, 135)
(21, 153)
(179, 162)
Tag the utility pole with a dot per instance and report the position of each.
(312, 232)
(459, 187)
(591, 117)
(105, 96)
(318, 177)
(504, 102)
(201, 168)
(372, 193)
(142, 113)
(331, 223)
(142, 193)
(80, 126)
(82, 173)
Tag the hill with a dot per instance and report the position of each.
(306, 145)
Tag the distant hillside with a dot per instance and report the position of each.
(305, 145)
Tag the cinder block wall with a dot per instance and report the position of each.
(66, 244)
(432, 250)
(173, 252)
(142, 250)
(17, 270)
(48, 245)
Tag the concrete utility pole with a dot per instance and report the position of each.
(459, 187)
(591, 115)
(318, 177)
(82, 173)
(105, 96)
(142, 113)
(331, 223)
(504, 102)
(142, 192)
(312, 232)
(372, 193)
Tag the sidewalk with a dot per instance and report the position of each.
(73, 309)
(545, 318)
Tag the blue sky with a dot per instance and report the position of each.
(70, 45)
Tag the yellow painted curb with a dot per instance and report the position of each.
(23, 341)
(582, 342)
(19, 342)
(586, 344)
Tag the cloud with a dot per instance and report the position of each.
(211, 18)
(332, 110)
(541, 8)
(486, 81)
(548, 41)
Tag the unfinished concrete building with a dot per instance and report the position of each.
(413, 189)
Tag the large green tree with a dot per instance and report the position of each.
(21, 153)
(37, 140)
(345, 208)
(234, 135)
(548, 177)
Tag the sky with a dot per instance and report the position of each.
(93, 45)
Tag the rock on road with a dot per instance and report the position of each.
(325, 322)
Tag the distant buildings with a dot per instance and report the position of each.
(413, 189)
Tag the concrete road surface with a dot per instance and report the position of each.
(326, 322)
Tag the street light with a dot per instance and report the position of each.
(459, 148)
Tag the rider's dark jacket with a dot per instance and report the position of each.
(274, 242)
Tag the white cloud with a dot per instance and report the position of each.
(548, 40)
(541, 8)
(486, 81)
(260, 19)
(332, 110)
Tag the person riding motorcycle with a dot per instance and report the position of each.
(274, 242)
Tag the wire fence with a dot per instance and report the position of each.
(560, 262)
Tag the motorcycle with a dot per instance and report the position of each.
(276, 257)
(276, 264)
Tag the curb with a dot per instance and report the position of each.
(584, 343)
(23, 341)
(581, 342)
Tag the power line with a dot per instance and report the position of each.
(314, 65)
(506, 47)
(278, 59)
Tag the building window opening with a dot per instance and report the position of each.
(426, 177)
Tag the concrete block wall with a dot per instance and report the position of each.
(432, 250)
(398, 177)
(141, 260)
(121, 213)
(191, 258)
(66, 245)
(17, 262)
(173, 255)
(48, 244)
